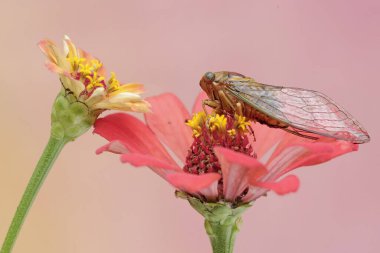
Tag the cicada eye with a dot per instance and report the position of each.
(210, 76)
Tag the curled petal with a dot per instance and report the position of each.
(53, 54)
(286, 185)
(50, 50)
(130, 106)
(129, 87)
(133, 134)
(162, 168)
(239, 171)
(193, 184)
(139, 160)
(300, 154)
(167, 121)
(116, 147)
(124, 97)
(69, 48)
(54, 68)
(315, 153)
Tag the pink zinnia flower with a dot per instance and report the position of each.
(230, 167)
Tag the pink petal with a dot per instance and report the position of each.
(133, 134)
(53, 67)
(191, 183)
(157, 165)
(54, 55)
(116, 147)
(139, 160)
(167, 121)
(210, 193)
(302, 154)
(286, 185)
(320, 152)
(268, 138)
(49, 49)
(197, 107)
(239, 171)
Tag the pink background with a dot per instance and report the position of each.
(95, 204)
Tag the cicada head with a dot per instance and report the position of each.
(212, 81)
(206, 82)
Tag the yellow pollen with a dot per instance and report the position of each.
(113, 83)
(94, 81)
(85, 70)
(196, 123)
(217, 122)
(231, 132)
(96, 64)
(241, 123)
(75, 62)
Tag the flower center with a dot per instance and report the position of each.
(88, 71)
(215, 130)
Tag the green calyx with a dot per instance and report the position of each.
(70, 118)
(222, 221)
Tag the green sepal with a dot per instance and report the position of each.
(223, 212)
(70, 118)
(222, 221)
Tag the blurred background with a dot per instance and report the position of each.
(96, 204)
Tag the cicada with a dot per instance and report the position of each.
(306, 113)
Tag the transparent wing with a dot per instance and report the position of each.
(306, 110)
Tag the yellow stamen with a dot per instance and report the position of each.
(96, 64)
(75, 62)
(217, 122)
(85, 70)
(113, 83)
(241, 123)
(94, 81)
(196, 123)
(232, 132)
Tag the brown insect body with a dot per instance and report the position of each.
(216, 90)
(295, 110)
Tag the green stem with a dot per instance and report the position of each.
(222, 236)
(50, 154)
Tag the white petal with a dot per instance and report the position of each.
(73, 85)
(125, 97)
(65, 46)
(97, 96)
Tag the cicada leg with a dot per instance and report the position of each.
(252, 132)
(239, 109)
(214, 104)
(225, 101)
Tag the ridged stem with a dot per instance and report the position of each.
(222, 236)
(48, 157)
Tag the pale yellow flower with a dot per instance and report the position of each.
(84, 77)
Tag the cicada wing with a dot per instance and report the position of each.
(301, 109)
